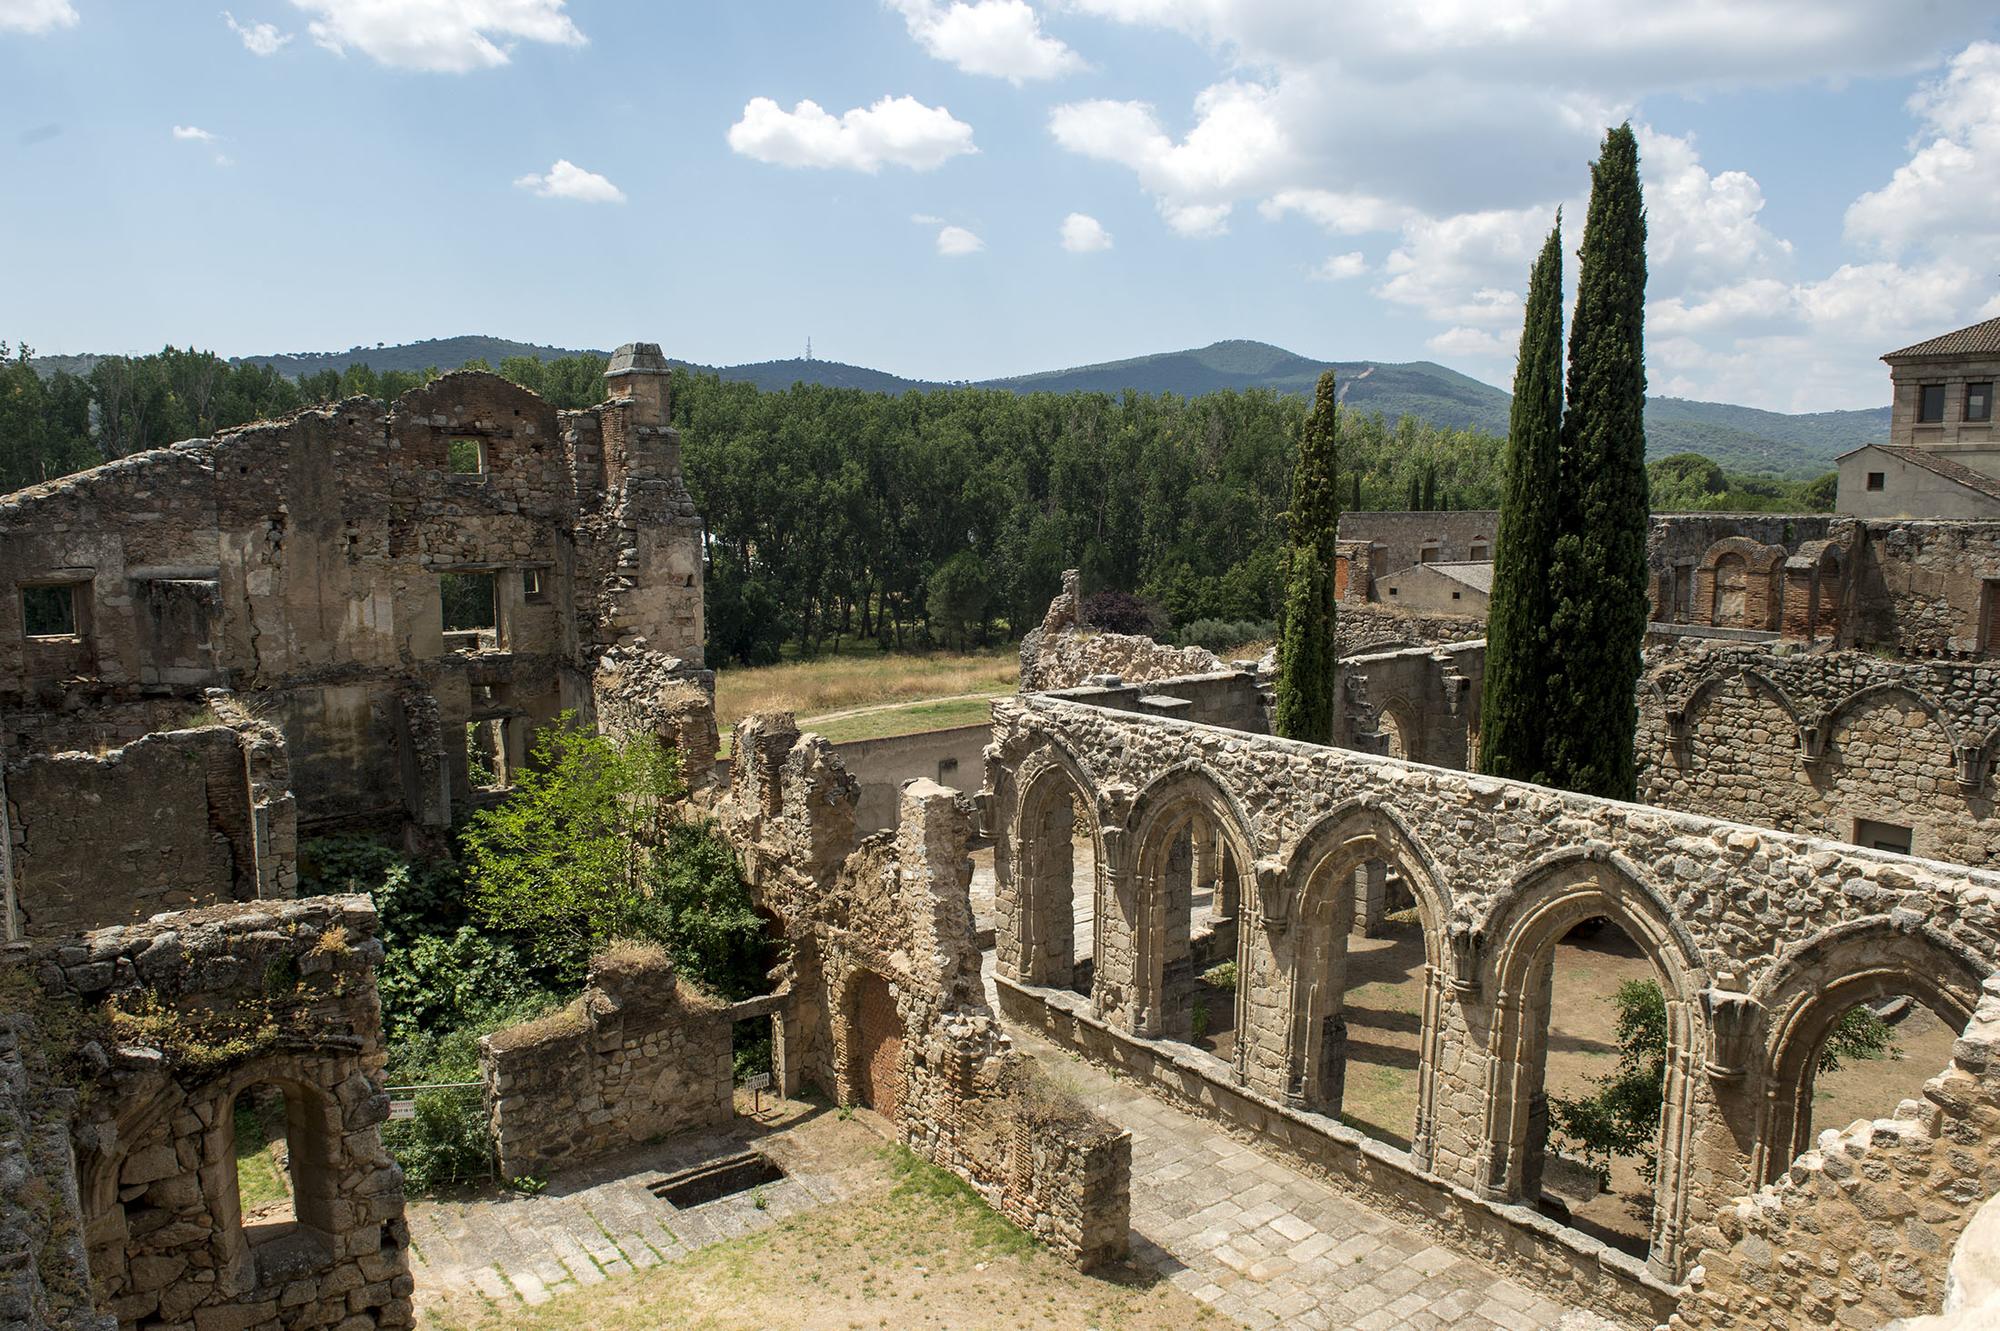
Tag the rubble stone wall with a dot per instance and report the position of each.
(1760, 938)
(894, 911)
(640, 1054)
(168, 1023)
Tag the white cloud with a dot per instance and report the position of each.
(1342, 266)
(1235, 147)
(567, 180)
(1084, 234)
(1342, 214)
(1472, 343)
(896, 131)
(193, 134)
(1948, 193)
(438, 36)
(258, 38)
(955, 242)
(1468, 269)
(36, 16)
(999, 38)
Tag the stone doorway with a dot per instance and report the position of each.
(875, 1046)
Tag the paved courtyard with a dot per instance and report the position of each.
(1272, 1247)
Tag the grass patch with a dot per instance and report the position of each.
(911, 720)
(259, 1177)
(917, 1177)
(861, 679)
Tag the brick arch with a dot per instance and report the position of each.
(1161, 813)
(1818, 981)
(871, 1068)
(1739, 583)
(1554, 895)
(1318, 872)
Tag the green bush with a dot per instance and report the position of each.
(447, 1142)
(1219, 635)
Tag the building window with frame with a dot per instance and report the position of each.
(531, 584)
(1882, 836)
(1877, 480)
(1979, 402)
(50, 611)
(1930, 404)
(471, 611)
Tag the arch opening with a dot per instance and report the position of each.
(1193, 856)
(276, 1150)
(1057, 863)
(874, 1072)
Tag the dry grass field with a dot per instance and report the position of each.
(869, 678)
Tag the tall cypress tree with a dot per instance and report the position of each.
(1513, 715)
(1598, 579)
(1306, 653)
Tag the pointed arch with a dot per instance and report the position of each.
(1758, 682)
(1925, 703)
(1036, 938)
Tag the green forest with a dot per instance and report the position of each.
(912, 520)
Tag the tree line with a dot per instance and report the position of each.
(835, 514)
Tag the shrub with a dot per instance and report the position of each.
(447, 1141)
(1221, 976)
(1219, 635)
(1122, 612)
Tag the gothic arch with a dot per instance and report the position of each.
(1040, 947)
(1853, 701)
(1556, 893)
(1818, 981)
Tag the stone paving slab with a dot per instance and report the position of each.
(1273, 1247)
(601, 1221)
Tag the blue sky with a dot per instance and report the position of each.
(987, 187)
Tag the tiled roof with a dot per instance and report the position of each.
(1982, 339)
(1942, 465)
(1476, 575)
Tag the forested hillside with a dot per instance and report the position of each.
(912, 518)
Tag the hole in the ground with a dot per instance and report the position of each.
(718, 1178)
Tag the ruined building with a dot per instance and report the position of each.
(355, 616)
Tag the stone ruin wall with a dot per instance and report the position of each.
(1761, 939)
(639, 1054)
(160, 1027)
(1063, 651)
(173, 820)
(894, 910)
(1860, 1229)
(1814, 743)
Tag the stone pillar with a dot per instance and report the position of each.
(1228, 885)
(1332, 1088)
(1114, 988)
(1371, 897)
(1208, 865)
(1174, 911)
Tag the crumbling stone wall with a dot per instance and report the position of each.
(636, 692)
(163, 1025)
(894, 914)
(1063, 651)
(639, 1054)
(1759, 938)
(298, 562)
(176, 819)
(44, 1273)
(1861, 1229)
(1419, 703)
(1921, 588)
(1365, 630)
(1821, 743)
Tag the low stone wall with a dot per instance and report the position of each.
(1861, 1229)
(167, 1024)
(1231, 698)
(950, 757)
(1359, 629)
(640, 1054)
(1527, 1245)
(1063, 652)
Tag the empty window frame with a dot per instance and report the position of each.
(1430, 553)
(466, 457)
(1877, 480)
(1882, 836)
(50, 610)
(531, 584)
(1979, 402)
(469, 606)
(1930, 404)
(1479, 552)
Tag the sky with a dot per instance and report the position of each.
(964, 189)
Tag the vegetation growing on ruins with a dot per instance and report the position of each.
(1513, 724)
(1597, 578)
(1307, 654)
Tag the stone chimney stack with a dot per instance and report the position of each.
(638, 374)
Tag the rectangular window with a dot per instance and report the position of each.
(467, 457)
(49, 612)
(1979, 402)
(531, 583)
(1479, 552)
(1930, 404)
(1881, 836)
(1392, 591)
(471, 617)
(1427, 555)
(1454, 596)
(1875, 480)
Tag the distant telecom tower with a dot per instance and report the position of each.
(809, 348)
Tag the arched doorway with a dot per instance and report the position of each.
(1055, 883)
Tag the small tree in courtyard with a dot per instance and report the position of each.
(1307, 655)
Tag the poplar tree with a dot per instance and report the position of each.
(1597, 581)
(1307, 656)
(1513, 715)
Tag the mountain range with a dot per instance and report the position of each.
(1740, 438)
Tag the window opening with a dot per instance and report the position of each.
(1979, 402)
(1882, 836)
(49, 611)
(471, 612)
(467, 457)
(1876, 480)
(531, 583)
(486, 754)
(1930, 404)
